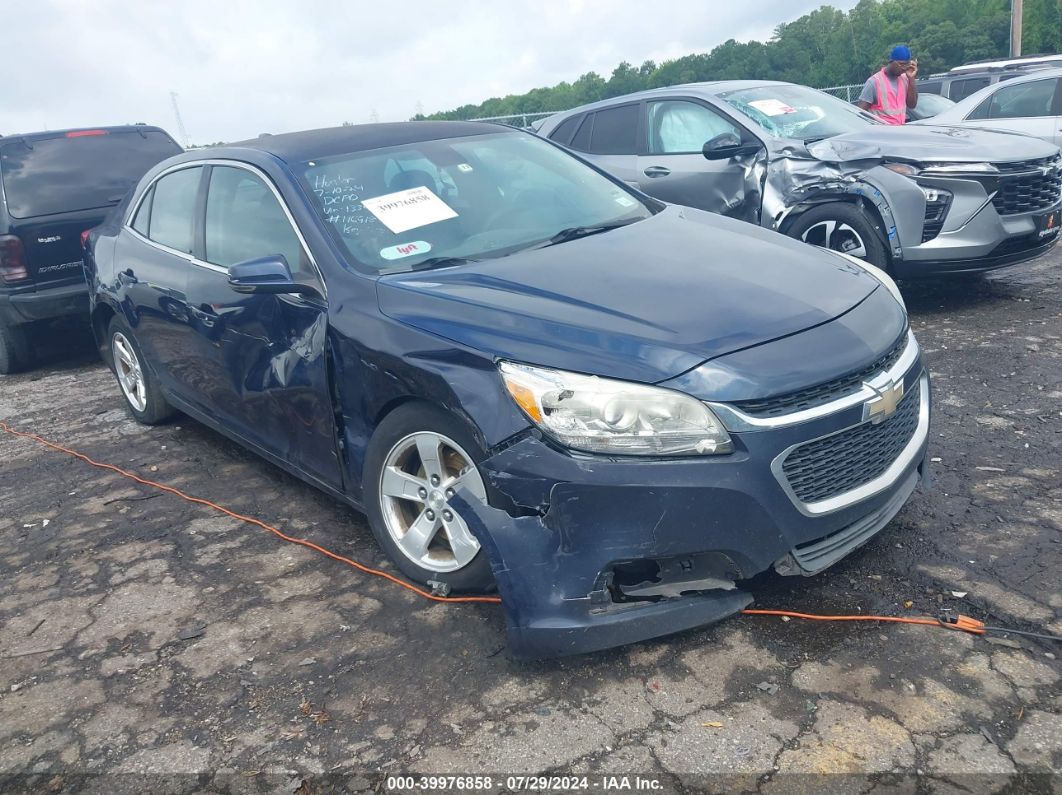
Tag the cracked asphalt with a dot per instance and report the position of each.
(149, 644)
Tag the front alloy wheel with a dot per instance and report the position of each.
(842, 227)
(837, 236)
(421, 474)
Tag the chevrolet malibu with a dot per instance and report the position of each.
(530, 377)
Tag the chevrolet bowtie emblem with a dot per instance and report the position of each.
(887, 397)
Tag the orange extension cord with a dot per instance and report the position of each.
(961, 623)
(250, 520)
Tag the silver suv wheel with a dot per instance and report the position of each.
(838, 236)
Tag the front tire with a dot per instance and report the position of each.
(417, 459)
(140, 388)
(844, 228)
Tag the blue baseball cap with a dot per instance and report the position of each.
(901, 52)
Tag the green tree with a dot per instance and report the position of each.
(825, 47)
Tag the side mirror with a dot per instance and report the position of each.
(266, 275)
(726, 146)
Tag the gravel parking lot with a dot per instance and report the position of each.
(152, 644)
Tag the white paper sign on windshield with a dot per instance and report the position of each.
(772, 107)
(409, 209)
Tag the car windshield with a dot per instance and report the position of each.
(788, 111)
(439, 202)
(932, 104)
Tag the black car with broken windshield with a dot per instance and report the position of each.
(529, 377)
(917, 200)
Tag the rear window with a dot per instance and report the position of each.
(64, 174)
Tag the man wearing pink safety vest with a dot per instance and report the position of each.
(889, 93)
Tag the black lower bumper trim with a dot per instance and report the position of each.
(916, 269)
(620, 626)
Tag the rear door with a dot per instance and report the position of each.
(154, 256)
(674, 168)
(611, 138)
(58, 187)
(1028, 107)
(259, 362)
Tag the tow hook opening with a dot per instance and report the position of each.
(657, 579)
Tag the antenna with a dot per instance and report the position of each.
(180, 123)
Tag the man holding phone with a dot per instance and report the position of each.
(890, 92)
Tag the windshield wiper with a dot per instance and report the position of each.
(575, 232)
(440, 262)
(816, 138)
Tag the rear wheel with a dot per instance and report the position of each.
(141, 390)
(418, 459)
(14, 350)
(844, 228)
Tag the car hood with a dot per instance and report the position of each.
(930, 143)
(645, 302)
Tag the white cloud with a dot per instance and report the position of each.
(242, 68)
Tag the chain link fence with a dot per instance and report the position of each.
(848, 93)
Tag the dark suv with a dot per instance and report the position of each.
(54, 187)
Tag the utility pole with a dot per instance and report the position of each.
(180, 124)
(1015, 28)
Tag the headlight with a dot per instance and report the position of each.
(947, 169)
(878, 274)
(600, 415)
(906, 169)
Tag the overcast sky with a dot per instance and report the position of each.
(243, 68)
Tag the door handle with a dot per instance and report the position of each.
(657, 171)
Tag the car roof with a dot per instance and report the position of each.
(964, 105)
(43, 134)
(1007, 64)
(708, 89)
(307, 144)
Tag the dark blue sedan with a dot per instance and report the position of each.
(530, 377)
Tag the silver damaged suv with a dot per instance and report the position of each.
(918, 201)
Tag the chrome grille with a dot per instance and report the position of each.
(827, 392)
(835, 464)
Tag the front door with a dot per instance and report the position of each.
(675, 170)
(261, 360)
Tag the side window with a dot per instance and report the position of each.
(961, 89)
(678, 126)
(173, 209)
(929, 88)
(1022, 101)
(615, 131)
(143, 213)
(245, 221)
(565, 130)
(581, 141)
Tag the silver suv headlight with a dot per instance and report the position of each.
(878, 274)
(600, 415)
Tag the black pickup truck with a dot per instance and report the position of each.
(54, 187)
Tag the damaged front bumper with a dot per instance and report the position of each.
(592, 553)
